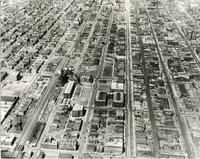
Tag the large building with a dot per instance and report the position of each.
(114, 147)
(118, 99)
(14, 75)
(3, 75)
(35, 67)
(115, 86)
(100, 99)
(7, 103)
(78, 111)
(8, 140)
(23, 107)
(50, 143)
(68, 144)
(69, 89)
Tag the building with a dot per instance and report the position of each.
(114, 147)
(36, 133)
(74, 125)
(115, 86)
(109, 95)
(86, 156)
(118, 99)
(50, 143)
(68, 144)
(100, 149)
(121, 75)
(65, 155)
(78, 111)
(35, 67)
(3, 75)
(14, 75)
(110, 103)
(183, 90)
(100, 99)
(77, 125)
(69, 89)
(41, 155)
(8, 140)
(7, 103)
(91, 148)
(120, 58)
(69, 70)
(138, 74)
(23, 107)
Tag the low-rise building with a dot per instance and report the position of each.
(114, 147)
(78, 111)
(3, 75)
(91, 148)
(50, 143)
(8, 140)
(115, 86)
(23, 107)
(36, 66)
(7, 103)
(68, 144)
(14, 75)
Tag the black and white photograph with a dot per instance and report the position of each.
(100, 79)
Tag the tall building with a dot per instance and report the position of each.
(100, 99)
(118, 99)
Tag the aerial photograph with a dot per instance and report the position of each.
(100, 79)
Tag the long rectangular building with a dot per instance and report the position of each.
(69, 89)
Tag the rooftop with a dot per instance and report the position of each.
(117, 86)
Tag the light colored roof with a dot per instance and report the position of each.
(78, 107)
(13, 73)
(69, 87)
(117, 86)
(116, 143)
